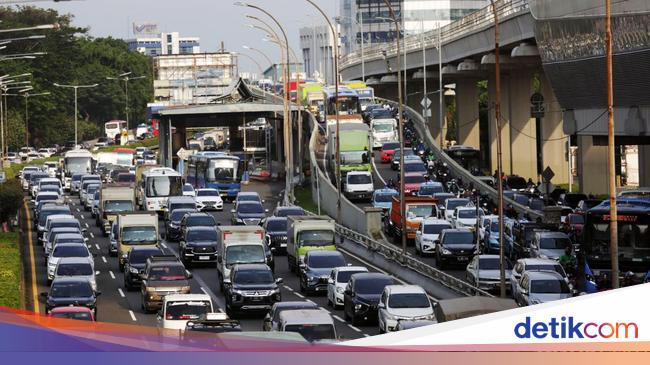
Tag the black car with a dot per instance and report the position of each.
(361, 296)
(135, 263)
(276, 233)
(248, 213)
(251, 288)
(197, 219)
(316, 269)
(287, 211)
(173, 225)
(199, 245)
(455, 246)
(71, 291)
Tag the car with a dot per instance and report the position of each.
(316, 268)
(383, 198)
(48, 210)
(45, 197)
(139, 151)
(361, 296)
(35, 179)
(51, 182)
(427, 235)
(536, 287)
(213, 323)
(196, 219)
(407, 325)
(550, 245)
(490, 231)
(387, 151)
(415, 165)
(188, 190)
(62, 250)
(89, 196)
(69, 237)
(395, 160)
(272, 318)
(73, 312)
(403, 302)
(173, 225)
(466, 217)
(78, 267)
(249, 213)
(314, 325)
(208, 199)
(178, 202)
(52, 234)
(515, 183)
(75, 183)
(179, 309)
(276, 233)
(251, 288)
(484, 272)
(135, 263)
(198, 245)
(573, 223)
(586, 204)
(51, 189)
(59, 221)
(430, 188)
(247, 196)
(412, 182)
(94, 204)
(285, 211)
(452, 203)
(455, 246)
(523, 265)
(124, 178)
(112, 238)
(337, 282)
(163, 275)
(71, 291)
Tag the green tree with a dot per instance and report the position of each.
(15, 130)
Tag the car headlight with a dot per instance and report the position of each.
(133, 270)
(185, 289)
(312, 279)
(445, 251)
(124, 255)
(151, 290)
(358, 307)
(340, 290)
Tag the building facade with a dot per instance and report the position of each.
(316, 46)
(165, 44)
(193, 78)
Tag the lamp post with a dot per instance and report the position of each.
(5, 82)
(76, 104)
(611, 147)
(126, 78)
(25, 94)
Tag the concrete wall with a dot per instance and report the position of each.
(505, 130)
(467, 110)
(592, 166)
(523, 137)
(555, 140)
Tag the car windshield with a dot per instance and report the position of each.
(390, 146)
(429, 190)
(178, 214)
(248, 198)
(467, 213)
(421, 210)
(383, 127)
(492, 264)
(344, 276)
(70, 224)
(83, 316)
(83, 269)
(434, 228)
(325, 261)
(250, 208)
(202, 235)
(354, 157)
(372, 286)
(207, 193)
(414, 179)
(69, 240)
(186, 310)
(175, 206)
(316, 238)
(359, 179)
(549, 287)
(313, 332)
(245, 254)
(71, 251)
(161, 186)
(459, 238)
(277, 225)
(557, 268)
(77, 289)
(141, 256)
(122, 178)
(248, 277)
(139, 234)
(167, 273)
(452, 204)
(201, 221)
(409, 300)
(188, 188)
(384, 197)
(42, 218)
(46, 197)
(290, 211)
(414, 167)
(118, 206)
(550, 243)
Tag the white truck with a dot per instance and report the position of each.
(357, 185)
(136, 229)
(238, 245)
(383, 130)
(305, 233)
(113, 200)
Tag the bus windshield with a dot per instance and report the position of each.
(348, 105)
(77, 165)
(161, 186)
(222, 170)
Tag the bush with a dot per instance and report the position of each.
(11, 199)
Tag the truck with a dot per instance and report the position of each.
(355, 148)
(238, 245)
(113, 200)
(136, 229)
(383, 130)
(311, 96)
(358, 185)
(306, 233)
(417, 210)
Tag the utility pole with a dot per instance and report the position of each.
(76, 104)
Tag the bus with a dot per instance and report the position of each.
(216, 170)
(114, 127)
(633, 236)
(348, 106)
(366, 94)
(158, 184)
(76, 162)
(468, 157)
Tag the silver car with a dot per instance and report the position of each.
(485, 273)
(536, 287)
(523, 265)
(550, 245)
(79, 267)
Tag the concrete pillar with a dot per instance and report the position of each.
(467, 109)
(523, 136)
(505, 128)
(555, 141)
(592, 166)
(644, 166)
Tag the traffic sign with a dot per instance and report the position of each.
(548, 174)
(183, 154)
(537, 108)
(426, 103)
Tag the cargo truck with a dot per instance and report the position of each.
(113, 200)
(136, 229)
(417, 209)
(238, 245)
(306, 233)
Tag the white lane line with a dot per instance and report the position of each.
(366, 335)
(354, 328)
(112, 275)
(208, 293)
(119, 290)
(87, 226)
(374, 168)
(311, 301)
(96, 245)
(92, 235)
(82, 216)
(163, 245)
(132, 316)
(299, 295)
(104, 259)
(78, 210)
(338, 318)
(288, 288)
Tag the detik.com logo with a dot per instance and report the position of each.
(569, 327)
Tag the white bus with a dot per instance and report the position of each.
(113, 128)
(158, 184)
(76, 162)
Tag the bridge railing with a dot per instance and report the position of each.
(476, 21)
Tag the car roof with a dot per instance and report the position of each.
(70, 279)
(249, 202)
(194, 214)
(295, 304)
(275, 218)
(551, 234)
(71, 244)
(457, 230)
(310, 316)
(62, 217)
(180, 199)
(404, 289)
(432, 220)
(251, 267)
(49, 179)
(407, 174)
(201, 228)
(187, 297)
(145, 248)
(69, 235)
(324, 253)
(484, 256)
(537, 261)
(386, 191)
(207, 189)
(350, 268)
(248, 193)
(74, 260)
(543, 275)
(70, 309)
(370, 276)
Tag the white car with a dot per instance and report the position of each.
(178, 309)
(465, 217)
(188, 190)
(44, 153)
(337, 282)
(208, 199)
(523, 265)
(77, 267)
(358, 185)
(537, 287)
(403, 302)
(49, 182)
(66, 250)
(426, 236)
(51, 168)
(452, 203)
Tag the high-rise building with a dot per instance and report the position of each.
(316, 46)
(165, 44)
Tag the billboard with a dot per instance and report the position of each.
(145, 29)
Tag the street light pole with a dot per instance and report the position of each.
(76, 104)
(27, 95)
(125, 77)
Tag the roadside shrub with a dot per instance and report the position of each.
(11, 199)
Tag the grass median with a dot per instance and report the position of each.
(10, 283)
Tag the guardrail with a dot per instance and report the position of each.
(476, 21)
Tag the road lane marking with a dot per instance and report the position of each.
(311, 301)
(288, 288)
(121, 292)
(87, 226)
(31, 260)
(96, 245)
(299, 295)
(104, 259)
(354, 328)
(92, 235)
(112, 275)
(78, 210)
(132, 316)
(82, 217)
(366, 335)
(163, 245)
(338, 318)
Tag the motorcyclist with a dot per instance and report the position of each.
(390, 184)
(568, 261)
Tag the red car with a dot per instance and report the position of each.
(80, 313)
(574, 222)
(388, 150)
(412, 182)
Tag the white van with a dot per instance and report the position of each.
(314, 325)
(178, 309)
